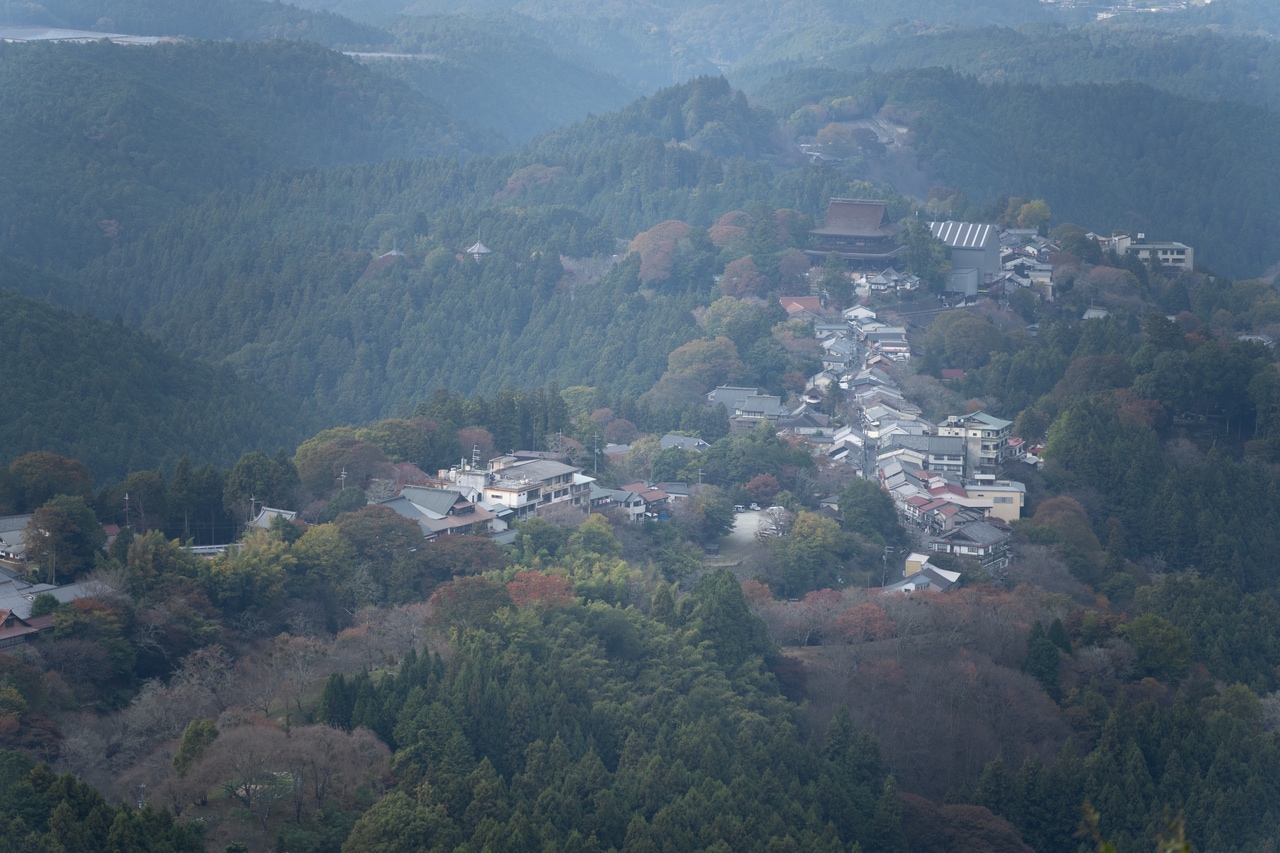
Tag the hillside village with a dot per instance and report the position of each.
(496, 428)
(949, 481)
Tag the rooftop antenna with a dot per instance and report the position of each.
(475, 456)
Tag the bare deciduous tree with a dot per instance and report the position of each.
(296, 662)
(208, 670)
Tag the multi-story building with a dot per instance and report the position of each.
(860, 232)
(1002, 499)
(986, 440)
(945, 455)
(975, 254)
(524, 486)
(1170, 254)
(975, 541)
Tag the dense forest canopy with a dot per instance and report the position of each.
(301, 229)
(1204, 65)
(103, 141)
(118, 401)
(1107, 154)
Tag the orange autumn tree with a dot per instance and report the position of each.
(742, 278)
(540, 591)
(657, 249)
(865, 623)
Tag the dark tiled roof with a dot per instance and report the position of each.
(853, 218)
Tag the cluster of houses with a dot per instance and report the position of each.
(985, 258)
(18, 592)
(944, 478)
(488, 499)
(471, 498)
(993, 261)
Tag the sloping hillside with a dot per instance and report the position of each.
(116, 399)
(99, 142)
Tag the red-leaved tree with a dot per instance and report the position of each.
(865, 623)
(540, 591)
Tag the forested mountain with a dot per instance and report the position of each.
(116, 400)
(1204, 65)
(288, 280)
(1237, 18)
(655, 44)
(241, 20)
(336, 683)
(625, 50)
(507, 73)
(100, 141)
(1112, 156)
(285, 281)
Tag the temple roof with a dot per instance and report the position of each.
(854, 218)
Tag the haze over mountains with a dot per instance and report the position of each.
(149, 181)
(423, 302)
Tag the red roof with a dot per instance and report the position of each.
(794, 304)
(948, 489)
(650, 494)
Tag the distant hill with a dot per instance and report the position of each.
(117, 400)
(239, 20)
(507, 73)
(1203, 65)
(297, 281)
(706, 114)
(98, 141)
(1236, 18)
(653, 44)
(1107, 156)
(288, 291)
